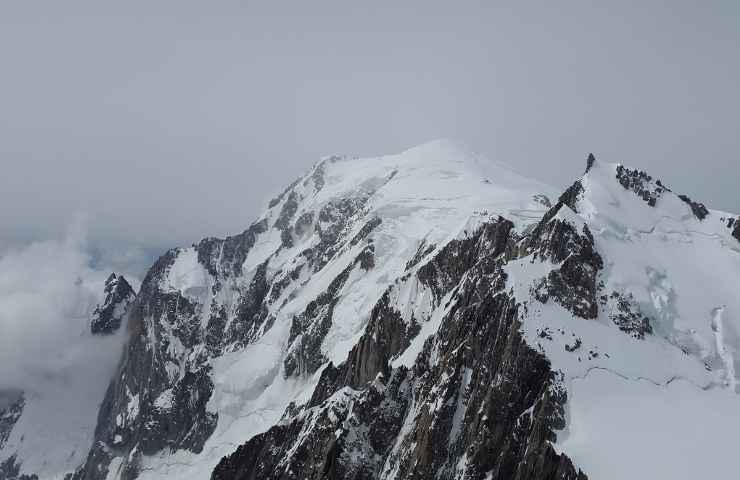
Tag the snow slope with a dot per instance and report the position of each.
(422, 197)
(663, 406)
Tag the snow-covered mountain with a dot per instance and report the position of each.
(429, 314)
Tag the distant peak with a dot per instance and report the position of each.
(107, 317)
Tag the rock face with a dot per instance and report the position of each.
(409, 317)
(735, 225)
(641, 184)
(651, 190)
(107, 318)
(563, 239)
(477, 402)
(10, 412)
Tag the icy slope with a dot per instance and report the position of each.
(668, 263)
(228, 332)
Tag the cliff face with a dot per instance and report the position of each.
(422, 315)
(474, 402)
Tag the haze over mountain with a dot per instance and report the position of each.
(149, 116)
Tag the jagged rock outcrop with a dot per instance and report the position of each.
(9, 414)
(10, 468)
(734, 224)
(563, 239)
(698, 209)
(477, 402)
(651, 190)
(626, 315)
(641, 184)
(107, 317)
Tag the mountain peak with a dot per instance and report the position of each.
(439, 146)
(108, 316)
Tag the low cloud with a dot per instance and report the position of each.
(48, 290)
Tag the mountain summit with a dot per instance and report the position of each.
(431, 315)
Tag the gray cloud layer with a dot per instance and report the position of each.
(168, 121)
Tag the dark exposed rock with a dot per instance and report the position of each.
(318, 176)
(107, 318)
(421, 253)
(458, 256)
(698, 209)
(340, 442)
(333, 219)
(290, 207)
(149, 407)
(573, 284)
(590, 161)
(571, 195)
(365, 231)
(303, 224)
(282, 281)
(285, 219)
(385, 336)
(488, 398)
(651, 190)
(275, 201)
(736, 230)
(367, 257)
(576, 345)
(9, 414)
(251, 310)
(309, 329)
(224, 257)
(627, 316)
(641, 184)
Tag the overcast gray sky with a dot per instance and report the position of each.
(164, 122)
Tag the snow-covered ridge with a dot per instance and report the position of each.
(383, 279)
(251, 313)
(675, 264)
